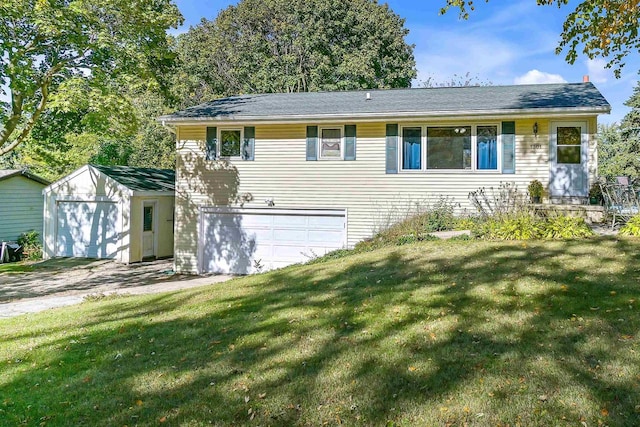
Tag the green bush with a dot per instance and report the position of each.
(520, 226)
(632, 227)
(31, 247)
(565, 227)
(526, 226)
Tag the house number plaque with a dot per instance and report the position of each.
(536, 146)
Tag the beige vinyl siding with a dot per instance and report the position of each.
(21, 207)
(372, 197)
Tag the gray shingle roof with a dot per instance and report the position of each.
(8, 173)
(396, 102)
(140, 179)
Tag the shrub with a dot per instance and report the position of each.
(632, 227)
(535, 189)
(517, 226)
(565, 227)
(505, 200)
(31, 247)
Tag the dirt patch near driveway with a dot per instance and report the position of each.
(75, 276)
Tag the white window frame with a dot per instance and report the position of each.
(219, 144)
(474, 148)
(341, 129)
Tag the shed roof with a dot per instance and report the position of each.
(8, 173)
(140, 179)
(450, 101)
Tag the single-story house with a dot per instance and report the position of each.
(268, 180)
(118, 212)
(21, 203)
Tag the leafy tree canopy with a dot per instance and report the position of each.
(619, 145)
(600, 28)
(58, 51)
(295, 45)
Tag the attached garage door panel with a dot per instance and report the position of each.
(241, 242)
(87, 229)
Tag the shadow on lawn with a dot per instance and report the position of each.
(362, 342)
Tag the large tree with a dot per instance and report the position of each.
(619, 145)
(295, 45)
(600, 28)
(48, 48)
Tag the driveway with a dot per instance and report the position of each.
(66, 281)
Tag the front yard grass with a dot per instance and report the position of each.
(436, 333)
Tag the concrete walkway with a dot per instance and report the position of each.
(50, 286)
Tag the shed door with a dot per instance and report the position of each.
(568, 156)
(246, 241)
(87, 229)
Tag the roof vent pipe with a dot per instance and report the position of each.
(368, 96)
(585, 78)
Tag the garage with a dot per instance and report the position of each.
(87, 229)
(110, 212)
(245, 241)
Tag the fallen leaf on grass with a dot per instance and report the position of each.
(604, 412)
(162, 420)
(138, 402)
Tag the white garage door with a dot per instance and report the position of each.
(87, 229)
(244, 241)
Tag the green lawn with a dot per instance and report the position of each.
(16, 267)
(437, 333)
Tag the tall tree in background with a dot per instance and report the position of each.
(619, 145)
(600, 28)
(293, 46)
(50, 48)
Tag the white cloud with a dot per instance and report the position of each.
(538, 77)
(597, 71)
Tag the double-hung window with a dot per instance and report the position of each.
(331, 143)
(230, 143)
(432, 148)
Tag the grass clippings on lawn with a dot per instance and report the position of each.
(437, 333)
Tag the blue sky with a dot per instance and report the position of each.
(503, 42)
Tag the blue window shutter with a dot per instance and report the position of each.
(249, 144)
(350, 142)
(392, 148)
(211, 148)
(312, 142)
(508, 147)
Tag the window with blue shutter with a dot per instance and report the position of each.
(312, 142)
(248, 145)
(508, 147)
(392, 148)
(211, 148)
(350, 142)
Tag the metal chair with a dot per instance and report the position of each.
(621, 200)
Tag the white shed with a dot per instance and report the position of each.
(118, 212)
(20, 203)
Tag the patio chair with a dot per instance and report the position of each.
(620, 201)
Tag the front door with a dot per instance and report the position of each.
(568, 160)
(148, 231)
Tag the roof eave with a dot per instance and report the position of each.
(370, 117)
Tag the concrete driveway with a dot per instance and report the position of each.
(66, 281)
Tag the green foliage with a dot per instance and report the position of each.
(295, 46)
(600, 28)
(527, 226)
(516, 226)
(535, 188)
(632, 227)
(565, 227)
(31, 247)
(69, 53)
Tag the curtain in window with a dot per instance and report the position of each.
(411, 148)
(487, 154)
